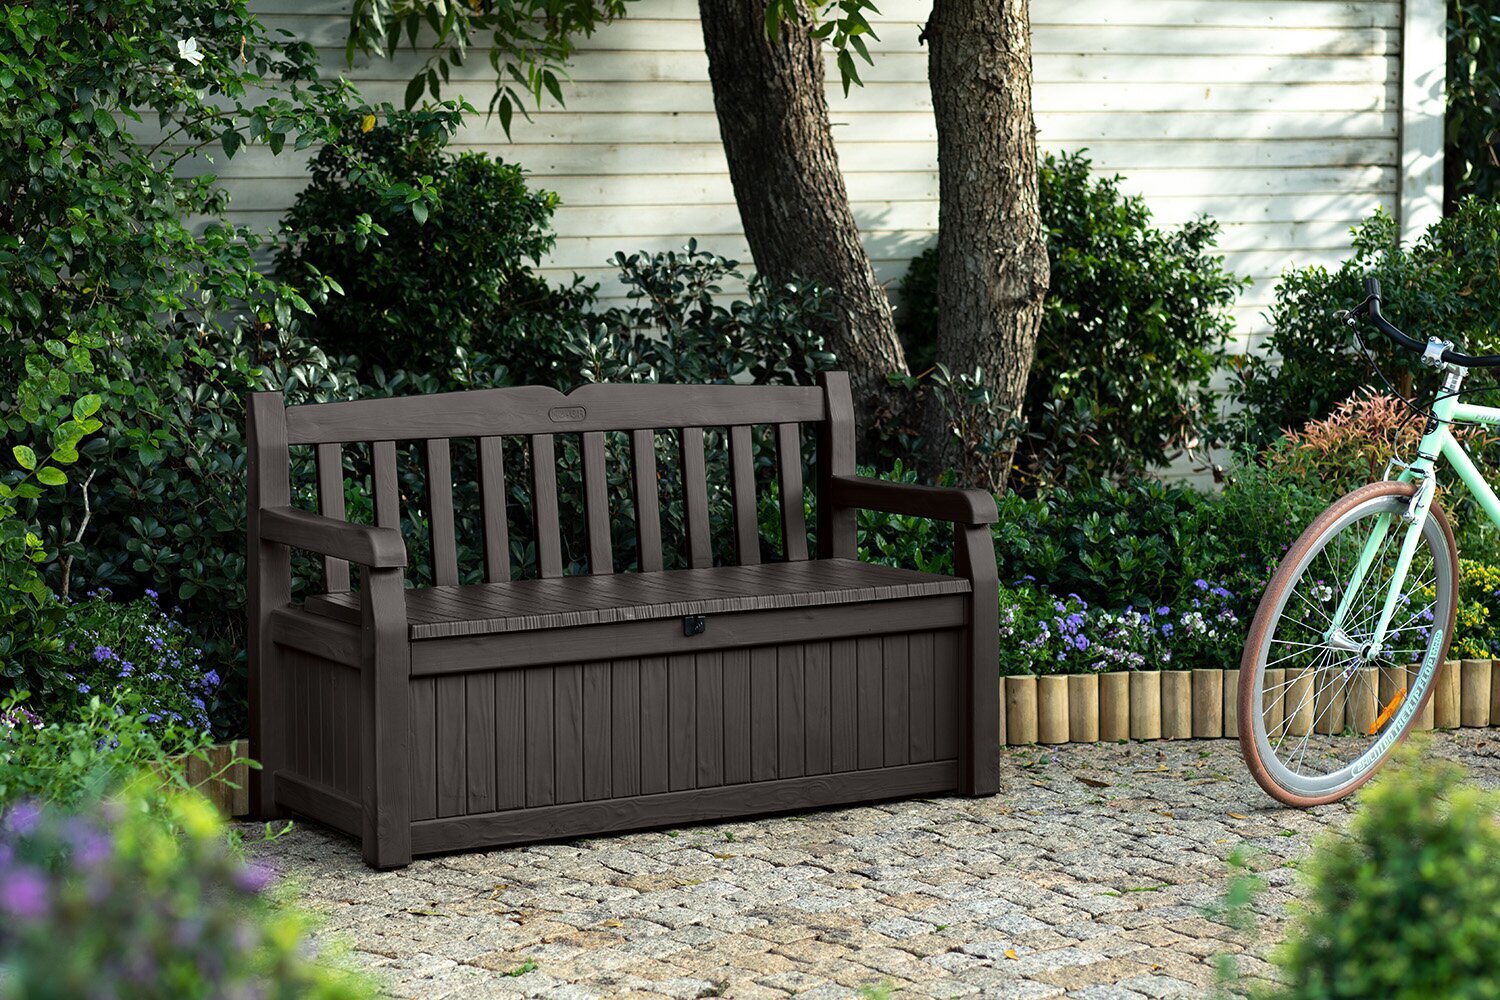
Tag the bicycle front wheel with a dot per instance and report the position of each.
(1320, 705)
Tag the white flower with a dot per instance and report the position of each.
(187, 48)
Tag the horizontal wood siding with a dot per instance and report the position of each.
(1280, 118)
(546, 736)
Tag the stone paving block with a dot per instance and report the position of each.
(1099, 892)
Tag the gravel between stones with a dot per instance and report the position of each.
(1092, 874)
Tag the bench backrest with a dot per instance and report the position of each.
(535, 418)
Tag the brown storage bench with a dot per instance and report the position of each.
(445, 717)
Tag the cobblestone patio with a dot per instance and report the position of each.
(1087, 876)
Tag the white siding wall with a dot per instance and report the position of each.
(1280, 118)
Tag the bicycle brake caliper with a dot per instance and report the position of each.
(1421, 499)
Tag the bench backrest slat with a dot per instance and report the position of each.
(387, 487)
(742, 488)
(596, 505)
(572, 444)
(542, 410)
(330, 466)
(544, 506)
(492, 501)
(440, 512)
(647, 500)
(695, 498)
(789, 474)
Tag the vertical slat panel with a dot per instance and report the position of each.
(836, 525)
(695, 498)
(818, 738)
(340, 730)
(353, 732)
(540, 790)
(789, 472)
(596, 505)
(682, 721)
(492, 502)
(440, 512)
(387, 490)
(569, 740)
(871, 697)
(510, 739)
(843, 712)
(479, 726)
(315, 672)
(742, 486)
(653, 724)
(647, 502)
(922, 718)
(452, 747)
(791, 752)
(330, 462)
(598, 717)
(544, 505)
(710, 718)
(762, 713)
(947, 656)
(736, 693)
(301, 725)
(897, 689)
(625, 727)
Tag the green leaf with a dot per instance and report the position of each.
(414, 92)
(86, 406)
(231, 141)
(104, 121)
(506, 112)
(550, 80)
(419, 211)
(51, 475)
(25, 457)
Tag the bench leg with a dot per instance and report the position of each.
(385, 664)
(979, 747)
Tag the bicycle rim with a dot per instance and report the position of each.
(1319, 713)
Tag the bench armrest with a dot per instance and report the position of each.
(943, 503)
(376, 548)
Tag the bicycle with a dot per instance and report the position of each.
(1343, 650)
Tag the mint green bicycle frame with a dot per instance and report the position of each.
(1447, 410)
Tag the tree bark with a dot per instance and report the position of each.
(992, 257)
(773, 118)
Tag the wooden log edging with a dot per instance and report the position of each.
(229, 791)
(1204, 704)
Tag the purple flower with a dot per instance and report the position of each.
(211, 678)
(1201, 584)
(102, 653)
(22, 818)
(83, 688)
(253, 878)
(23, 893)
(152, 594)
(1164, 610)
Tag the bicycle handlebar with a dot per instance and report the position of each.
(1370, 307)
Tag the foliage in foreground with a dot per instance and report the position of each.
(141, 895)
(1405, 905)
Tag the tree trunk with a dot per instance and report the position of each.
(773, 117)
(992, 258)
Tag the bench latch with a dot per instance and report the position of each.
(694, 624)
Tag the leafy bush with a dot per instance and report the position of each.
(425, 285)
(1476, 632)
(141, 896)
(1134, 327)
(1406, 903)
(1472, 122)
(1442, 286)
(141, 647)
(118, 272)
(83, 753)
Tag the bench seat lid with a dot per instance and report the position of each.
(560, 602)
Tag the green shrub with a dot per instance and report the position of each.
(1442, 286)
(140, 646)
(1472, 121)
(121, 281)
(438, 281)
(1406, 903)
(82, 753)
(1133, 328)
(141, 896)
